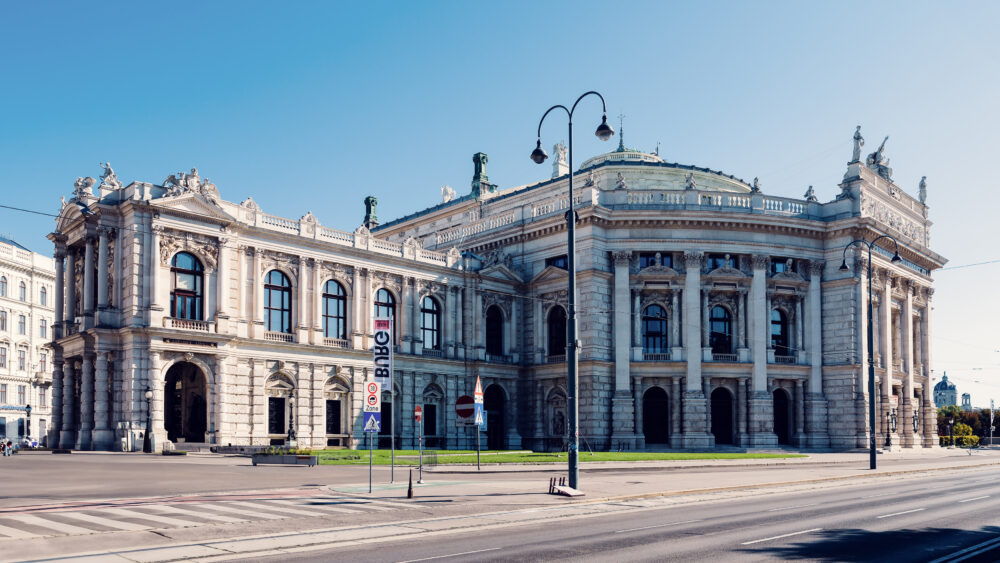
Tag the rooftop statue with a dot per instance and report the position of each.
(811, 194)
(878, 163)
(923, 189)
(82, 187)
(859, 142)
(689, 182)
(447, 193)
(755, 187)
(621, 182)
(109, 179)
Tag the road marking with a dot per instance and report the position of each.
(318, 506)
(129, 526)
(968, 552)
(782, 536)
(250, 514)
(879, 495)
(901, 513)
(976, 498)
(278, 509)
(791, 507)
(126, 513)
(53, 525)
(182, 512)
(15, 533)
(452, 555)
(657, 526)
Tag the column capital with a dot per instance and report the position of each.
(693, 259)
(816, 268)
(621, 257)
(760, 261)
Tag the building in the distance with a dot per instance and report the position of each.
(966, 402)
(710, 313)
(27, 313)
(945, 393)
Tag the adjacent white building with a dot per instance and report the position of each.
(710, 313)
(27, 313)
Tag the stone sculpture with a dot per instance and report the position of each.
(447, 193)
(923, 190)
(811, 194)
(621, 182)
(859, 142)
(109, 179)
(82, 187)
(878, 163)
(689, 182)
(755, 187)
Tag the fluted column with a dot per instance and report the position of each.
(816, 404)
(222, 270)
(60, 312)
(316, 305)
(88, 278)
(86, 404)
(760, 402)
(635, 331)
(102, 435)
(675, 320)
(741, 299)
(930, 414)
(57, 401)
(886, 330)
(102, 268)
(705, 321)
(67, 436)
(621, 318)
(906, 347)
(800, 338)
(156, 310)
(70, 275)
(694, 403)
(258, 296)
(357, 303)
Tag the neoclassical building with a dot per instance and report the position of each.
(710, 313)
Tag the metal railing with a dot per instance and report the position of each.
(499, 358)
(555, 359)
(784, 359)
(432, 353)
(723, 357)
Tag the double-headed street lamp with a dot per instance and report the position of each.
(147, 444)
(291, 420)
(871, 333)
(603, 132)
(27, 430)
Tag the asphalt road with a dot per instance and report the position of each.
(914, 519)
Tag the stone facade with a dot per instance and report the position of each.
(709, 314)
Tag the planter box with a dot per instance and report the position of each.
(309, 460)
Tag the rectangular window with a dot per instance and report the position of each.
(22, 360)
(41, 398)
(647, 259)
(275, 415)
(43, 298)
(3, 321)
(3, 357)
(561, 261)
(20, 427)
(3, 393)
(43, 328)
(22, 324)
(3, 425)
(22, 392)
(42, 362)
(332, 416)
(779, 265)
(430, 420)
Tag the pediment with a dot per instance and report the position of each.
(192, 203)
(657, 271)
(726, 272)
(502, 272)
(788, 276)
(550, 273)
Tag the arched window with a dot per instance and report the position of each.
(334, 310)
(779, 333)
(654, 330)
(494, 331)
(43, 296)
(278, 302)
(385, 306)
(187, 288)
(3, 286)
(22, 291)
(721, 327)
(430, 323)
(557, 331)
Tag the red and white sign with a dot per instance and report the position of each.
(464, 407)
(479, 391)
(382, 351)
(418, 413)
(373, 397)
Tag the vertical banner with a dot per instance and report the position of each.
(382, 352)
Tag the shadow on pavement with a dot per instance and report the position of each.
(894, 545)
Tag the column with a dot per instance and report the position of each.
(623, 404)
(800, 414)
(640, 436)
(886, 330)
(316, 334)
(222, 270)
(906, 347)
(301, 322)
(450, 336)
(102, 268)
(478, 333)
(156, 385)
(863, 354)
(357, 300)
(514, 328)
(257, 278)
(635, 330)
(57, 324)
(102, 435)
(675, 320)
(153, 253)
(694, 404)
(760, 401)
(88, 278)
(57, 400)
(83, 440)
(741, 411)
(816, 411)
(800, 337)
(741, 333)
(415, 334)
(460, 323)
(67, 436)
(675, 412)
(705, 321)
(929, 417)
(70, 283)
(405, 311)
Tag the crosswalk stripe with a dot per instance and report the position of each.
(126, 513)
(390, 503)
(279, 509)
(207, 516)
(253, 514)
(104, 521)
(328, 507)
(52, 525)
(15, 533)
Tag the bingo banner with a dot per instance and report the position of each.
(382, 351)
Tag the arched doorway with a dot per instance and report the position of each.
(722, 416)
(656, 416)
(495, 403)
(185, 410)
(782, 416)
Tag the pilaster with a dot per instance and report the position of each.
(761, 420)
(695, 407)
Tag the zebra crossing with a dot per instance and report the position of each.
(132, 516)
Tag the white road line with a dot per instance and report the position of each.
(126, 513)
(15, 533)
(273, 508)
(975, 550)
(791, 507)
(657, 526)
(53, 525)
(107, 522)
(250, 514)
(451, 555)
(901, 513)
(976, 498)
(782, 536)
(879, 495)
(329, 507)
(182, 511)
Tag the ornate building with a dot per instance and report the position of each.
(710, 313)
(945, 393)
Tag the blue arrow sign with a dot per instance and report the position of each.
(373, 421)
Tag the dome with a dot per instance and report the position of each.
(621, 154)
(944, 384)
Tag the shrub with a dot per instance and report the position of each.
(960, 441)
(281, 450)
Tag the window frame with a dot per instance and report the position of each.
(22, 292)
(430, 310)
(22, 325)
(43, 296)
(494, 331)
(385, 308)
(556, 344)
(716, 339)
(183, 301)
(3, 286)
(338, 318)
(280, 287)
(780, 342)
(655, 342)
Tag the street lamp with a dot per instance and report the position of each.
(27, 431)
(291, 420)
(603, 132)
(890, 425)
(916, 422)
(951, 431)
(147, 444)
(871, 335)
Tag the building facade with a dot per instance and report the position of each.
(710, 314)
(945, 393)
(27, 315)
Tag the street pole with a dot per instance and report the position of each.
(478, 468)
(872, 417)
(392, 434)
(604, 132)
(420, 445)
(147, 444)
(369, 434)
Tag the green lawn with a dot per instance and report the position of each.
(440, 457)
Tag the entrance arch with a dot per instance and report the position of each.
(495, 403)
(782, 416)
(185, 409)
(656, 416)
(722, 416)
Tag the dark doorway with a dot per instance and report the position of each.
(722, 416)
(782, 416)
(495, 403)
(333, 416)
(185, 410)
(656, 416)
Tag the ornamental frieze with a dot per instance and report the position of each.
(204, 247)
(499, 299)
(871, 207)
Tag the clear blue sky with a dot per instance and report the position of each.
(312, 106)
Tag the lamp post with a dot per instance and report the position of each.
(871, 335)
(916, 422)
(890, 426)
(147, 444)
(291, 420)
(603, 132)
(27, 430)
(951, 431)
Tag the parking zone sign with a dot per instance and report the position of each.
(373, 397)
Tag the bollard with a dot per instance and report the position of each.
(409, 491)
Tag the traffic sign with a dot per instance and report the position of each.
(418, 413)
(373, 398)
(486, 418)
(479, 419)
(463, 406)
(382, 350)
(479, 391)
(373, 421)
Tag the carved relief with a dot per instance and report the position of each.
(271, 260)
(204, 247)
(497, 257)
(501, 300)
(871, 207)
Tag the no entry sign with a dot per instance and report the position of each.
(464, 406)
(418, 412)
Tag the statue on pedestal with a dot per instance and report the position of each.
(859, 142)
